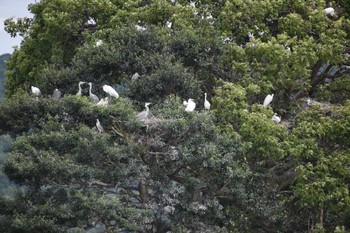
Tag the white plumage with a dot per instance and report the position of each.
(99, 43)
(268, 100)
(190, 105)
(206, 102)
(103, 102)
(276, 118)
(79, 86)
(329, 11)
(36, 91)
(93, 96)
(99, 126)
(110, 90)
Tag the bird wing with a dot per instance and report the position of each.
(110, 90)
(267, 100)
(142, 115)
(94, 98)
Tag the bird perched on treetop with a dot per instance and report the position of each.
(135, 77)
(190, 105)
(206, 102)
(276, 118)
(110, 90)
(93, 96)
(79, 86)
(329, 11)
(268, 100)
(144, 114)
(99, 126)
(56, 94)
(103, 102)
(36, 91)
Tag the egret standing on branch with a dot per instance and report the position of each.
(110, 90)
(144, 114)
(99, 126)
(190, 105)
(36, 91)
(268, 100)
(93, 96)
(276, 118)
(206, 102)
(79, 86)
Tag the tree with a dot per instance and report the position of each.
(231, 169)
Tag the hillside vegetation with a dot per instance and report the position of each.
(237, 167)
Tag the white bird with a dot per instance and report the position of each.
(103, 102)
(190, 105)
(36, 91)
(99, 126)
(140, 28)
(206, 102)
(276, 118)
(99, 43)
(268, 100)
(79, 85)
(56, 94)
(169, 24)
(144, 114)
(93, 96)
(110, 90)
(329, 11)
(135, 77)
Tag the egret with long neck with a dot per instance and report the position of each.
(79, 86)
(206, 102)
(92, 96)
(144, 114)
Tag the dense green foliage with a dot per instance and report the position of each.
(3, 59)
(230, 169)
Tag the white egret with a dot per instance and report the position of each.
(103, 102)
(144, 114)
(79, 86)
(268, 100)
(93, 96)
(276, 118)
(190, 105)
(140, 28)
(110, 90)
(329, 11)
(56, 94)
(99, 126)
(206, 102)
(169, 24)
(135, 77)
(36, 91)
(99, 43)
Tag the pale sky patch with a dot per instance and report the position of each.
(8, 9)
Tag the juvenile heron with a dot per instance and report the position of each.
(144, 114)
(92, 96)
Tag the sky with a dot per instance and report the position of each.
(8, 9)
